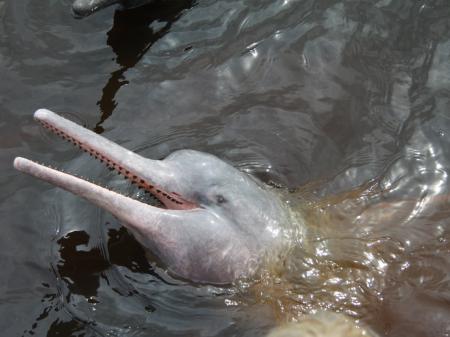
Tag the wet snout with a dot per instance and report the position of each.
(83, 8)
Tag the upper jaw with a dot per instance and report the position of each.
(125, 162)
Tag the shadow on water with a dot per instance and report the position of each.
(81, 268)
(130, 38)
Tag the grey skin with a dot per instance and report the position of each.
(217, 223)
(83, 8)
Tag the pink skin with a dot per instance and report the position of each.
(217, 223)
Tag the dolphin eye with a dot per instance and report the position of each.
(220, 199)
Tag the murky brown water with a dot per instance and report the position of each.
(344, 105)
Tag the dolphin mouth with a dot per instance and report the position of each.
(115, 157)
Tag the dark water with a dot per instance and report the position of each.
(344, 103)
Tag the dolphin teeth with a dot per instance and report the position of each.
(134, 179)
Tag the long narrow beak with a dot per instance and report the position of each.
(164, 231)
(125, 162)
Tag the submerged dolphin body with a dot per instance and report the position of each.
(83, 8)
(217, 222)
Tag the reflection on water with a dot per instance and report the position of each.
(342, 105)
(130, 38)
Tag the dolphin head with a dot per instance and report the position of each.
(216, 224)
